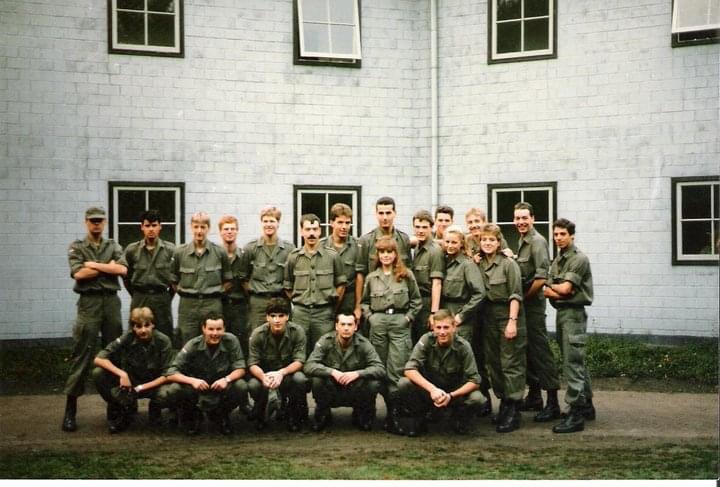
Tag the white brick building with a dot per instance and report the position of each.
(600, 127)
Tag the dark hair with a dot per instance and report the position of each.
(445, 209)
(525, 206)
(277, 305)
(337, 317)
(399, 269)
(385, 200)
(150, 215)
(310, 218)
(566, 224)
(423, 216)
(212, 315)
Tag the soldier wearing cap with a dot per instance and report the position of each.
(95, 264)
(342, 241)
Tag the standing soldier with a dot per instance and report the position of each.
(149, 272)
(345, 371)
(264, 266)
(201, 274)
(444, 217)
(95, 264)
(342, 241)
(235, 306)
(569, 291)
(534, 261)
(428, 266)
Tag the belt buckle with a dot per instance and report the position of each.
(390, 311)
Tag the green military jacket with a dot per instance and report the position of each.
(81, 251)
(196, 360)
(454, 363)
(533, 258)
(463, 284)
(367, 253)
(270, 354)
(428, 264)
(264, 266)
(143, 361)
(382, 292)
(149, 270)
(238, 269)
(574, 266)
(347, 255)
(203, 274)
(502, 279)
(312, 279)
(360, 356)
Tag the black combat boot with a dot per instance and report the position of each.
(69, 424)
(154, 414)
(511, 420)
(551, 410)
(461, 419)
(573, 421)
(417, 426)
(115, 419)
(293, 414)
(322, 418)
(486, 408)
(392, 419)
(533, 401)
(499, 417)
(192, 420)
(589, 410)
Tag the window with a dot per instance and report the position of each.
(319, 200)
(521, 30)
(151, 27)
(129, 200)
(501, 203)
(696, 218)
(695, 22)
(327, 32)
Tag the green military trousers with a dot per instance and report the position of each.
(390, 335)
(417, 401)
(235, 314)
(504, 359)
(315, 321)
(541, 368)
(572, 334)
(184, 396)
(161, 306)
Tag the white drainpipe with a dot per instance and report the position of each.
(434, 133)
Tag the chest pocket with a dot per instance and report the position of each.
(422, 273)
(187, 277)
(526, 266)
(453, 287)
(302, 280)
(213, 274)
(324, 279)
(401, 299)
(378, 301)
(497, 288)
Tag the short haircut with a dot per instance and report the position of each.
(442, 314)
(150, 215)
(277, 305)
(525, 206)
(213, 315)
(566, 224)
(385, 200)
(337, 317)
(141, 315)
(423, 216)
(445, 209)
(340, 209)
(272, 211)
(476, 211)
(225, 219)
(492, 229)
(200, 217)
(310, 218)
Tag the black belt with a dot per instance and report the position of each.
(392, 310)
(151, 290)
(313, 306)
(277, 294)
(201, 296)
(98, 292)
(455, 300)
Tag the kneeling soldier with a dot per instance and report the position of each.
(441, 373)
(277, 355)
(206, 373)
(346, 371)
(132, 367)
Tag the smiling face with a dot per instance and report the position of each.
(423, 230)
(387, 257)
(444, 331)
(453, 243)
(229, 232)
(474, 223)
(489, 244)
(341, 226)
(269, 226)
(213, 331)
(523, 220)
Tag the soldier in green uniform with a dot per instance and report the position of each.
(391, 301)
(504, 334)
(534, 261)
(441, 373)
(314, 281)
(277, 355)
(264, 266)
(345, 371)
(428, 266)
(149, 272)
(95, 264)
(342, 241)
(235, 303)
(133, 367)
(201, 274)
(444, 217)
(207, 375)
(570, 289)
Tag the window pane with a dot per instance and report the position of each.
(342, 39)
(128, 234)
(696, 238)
(131, 4)
(544, 230)
(508, 37)
(130, 28)
(342, 11)
(314, 10)
(131, 204)
(340, 198)
(508, 9)
(316, 38)
(695, 202)
(536, 34)
(164, 202)
(511, 236)
(536, 8)
(314, 203)
(716, 200)
(168, 232)
(539, 201)
(161, 30)
(505, 202)
(695, 13)
(161, 5)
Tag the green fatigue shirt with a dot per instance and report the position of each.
(472, 246)
(149, 270)
(264, 265)
(572, 265)
(143, 361)
(367, 253)
(382, 292)
(360, 356)
(81, 251)
(197, 360)
(272, 353)
(428, 264)
(454, 363)
(202, 274)
(463, 284)
(238, 272)
(312, 278)
(533, 258)
(502, 279)
(347, 255)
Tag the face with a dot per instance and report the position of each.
(277, 321)
(150, 230)
(229, 232)
(341, 226)
(269, 225)
(385, 215)
(95, 226)
(310, 232)
(345, 326)
(523, 221)
(143, 331)
(387, 257)
(444, 332)
(423, 229)
(474, 223)
(213, 331)
(453, 243)
(442, 221)
(562, 238)
(489, 244)
(199, 231)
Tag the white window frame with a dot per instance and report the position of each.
(116, 46)
(327, 191)
(522, 54)
(680, 257)
(677, 15)
(356, 55)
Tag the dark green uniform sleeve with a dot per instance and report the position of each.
(469, 365)
(514, 281)
(111, 351)
(340, 279)
(255, 348)
(415, 305)
(180, 364)
(374, 368)
(541, 258)
(226, 267)
(476, 284)
(166, 351)
(418, 357)
(299, 345)
(76, 259)
(289, 273)
(315, 363)
(237, 359)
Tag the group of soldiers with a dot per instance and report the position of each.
(431, 322)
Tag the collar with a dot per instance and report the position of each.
(202, 345)
(529, 235)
